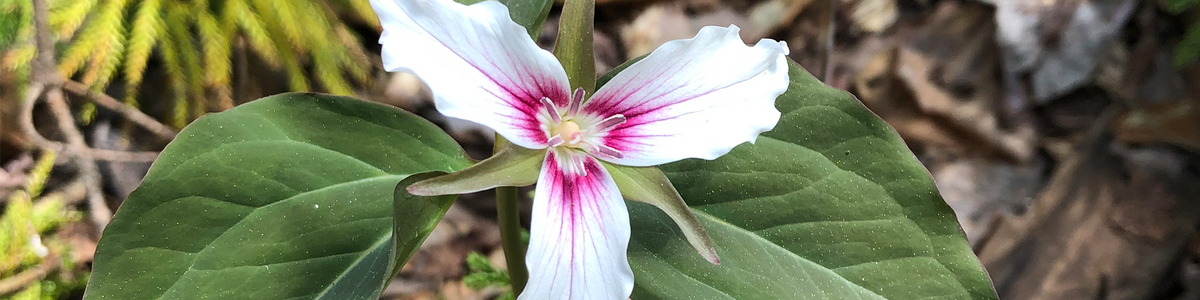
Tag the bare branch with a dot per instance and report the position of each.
(131, 113)
(46, 76)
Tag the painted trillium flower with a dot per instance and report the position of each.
(695, 98)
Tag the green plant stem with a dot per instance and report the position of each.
(508, 211)
(508, 214)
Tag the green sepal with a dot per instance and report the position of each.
(649, 185)
(512, 166)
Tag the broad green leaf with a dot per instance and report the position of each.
(828, 205)
(528, 13)
(415, 217)
(286, 197)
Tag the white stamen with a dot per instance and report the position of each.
(578, 162)
(571, 162)
(598, 149)
(576, 102)
(551, 109)
(608, 123)
(555, 141)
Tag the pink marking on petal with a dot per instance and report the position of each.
(580, 234)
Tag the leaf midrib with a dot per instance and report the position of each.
(382, 240)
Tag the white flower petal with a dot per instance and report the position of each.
(480, 65)
(579, 235)
(694, 98)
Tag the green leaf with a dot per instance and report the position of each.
(286, 197)
(414, 217)
(828, 205)
(649, 185)
(529, 13)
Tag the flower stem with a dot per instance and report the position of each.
(508, 214)
(508, 211)
(574, 45)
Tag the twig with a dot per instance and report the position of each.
(45, 75)
(71, 193)
(133, 114)
(120, 156)
(98, 208)
(34, 92)
(31, 96)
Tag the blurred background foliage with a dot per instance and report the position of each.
(103, 43)
(36, 263)
(1188, 49)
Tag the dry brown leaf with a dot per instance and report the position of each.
(1174, 123)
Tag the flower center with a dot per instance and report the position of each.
(573, 129)
(568, 131)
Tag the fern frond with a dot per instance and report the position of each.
(282, 17)
(292, 67)
(325, 59)
(354, 59)
(175, 74)
(96, 63)
(69, 18)
(103, 40)
(216, 43)
(336, 57)
(325, 68)
(87, 113)
(79, 51)
(15, 17)
(179, 112)
(317, 30)
(15, 222)
(189, 55)
(116, 45)
(295, 72)
(144, 34)
(362, 9)
(19, 58)
(255, 30)
(40, 173)
(217, 64)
